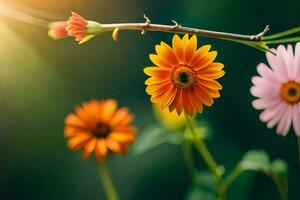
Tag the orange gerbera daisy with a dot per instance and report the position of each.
(184, 76)
(100, 127)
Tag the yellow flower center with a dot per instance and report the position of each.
(183, 76)
(101, 131)
(290, 92)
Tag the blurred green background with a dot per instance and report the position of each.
(42, 80)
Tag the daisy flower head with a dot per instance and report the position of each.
(183, 77)
(277, 89)
(100, 127)
(82, 29)
(57, 30)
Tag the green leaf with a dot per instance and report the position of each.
(279, 173)
(259, 161)
(256, 160)
(203, 188)
(154, 136)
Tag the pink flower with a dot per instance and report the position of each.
(57, 30)
(278, 89)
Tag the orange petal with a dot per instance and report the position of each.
(212, 71)
(158, 61)
(190, 49)
(211, 74)
(82, 114)
(204, 61)
(195, 100)
(122, 137)
(211, 92)
(119, 116)
(126, 120)
(93, 111)
(126, 128)
(78, 140)
(71, 131)
(200, 54)
(187, 104)
(168, 98)
(159, 94)
(74, 120)
(210, 83)
(156, 80)
(100, 149)
(178, 103)
(108, 109)
(158, 88)
(178, 47)
(166, 53)
(203, 96)
(113, 146)
(88, 148)
(157, 72)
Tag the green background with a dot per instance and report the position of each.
(42, 80)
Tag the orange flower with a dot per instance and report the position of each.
(100, 127)
(57, 30)
(82, 29)
(184, 76)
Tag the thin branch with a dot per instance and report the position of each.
(177, 28)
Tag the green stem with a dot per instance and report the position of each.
(110, 190)
(188, 159)
(282, 34)
(207, 157)
(231, 177)
(284, 40)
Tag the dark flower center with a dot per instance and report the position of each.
(101, 131)
(292, 92)
(183, 76)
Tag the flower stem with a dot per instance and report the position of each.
(284, 40)
(231, 177)
(282, 34)
(188, 159)
(207, 157)
(110, 190)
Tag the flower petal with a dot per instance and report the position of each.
(178, 47)
(88, 148)
(296, 119)
(100, 150)
(285, 121)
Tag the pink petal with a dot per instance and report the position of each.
(260, 81)
(277, 63)
(296, 118)
(270, 112)
(285, 121)
(289, 62)
(281, 108)
(297, 62)
(272, 58)
(264, 103)
(270, 93)
(266, 72)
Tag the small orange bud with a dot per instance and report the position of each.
(57, 30)
(115, 34)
